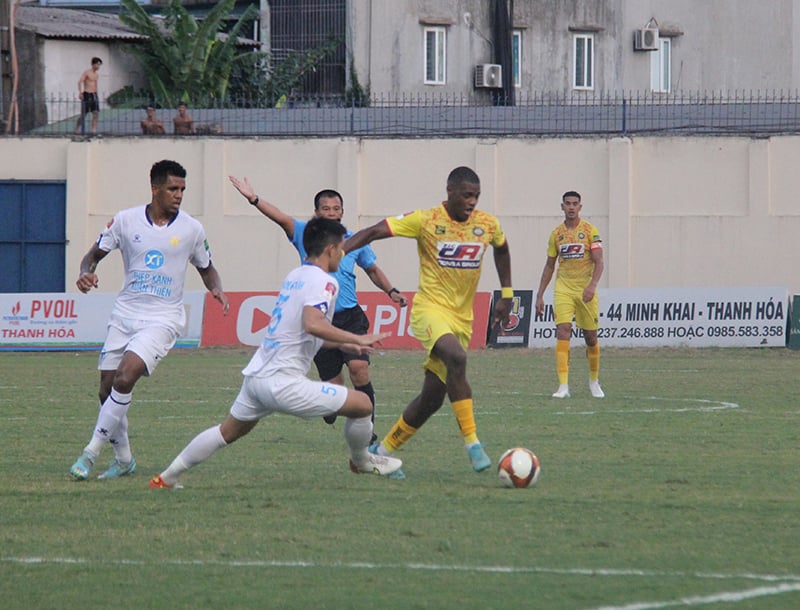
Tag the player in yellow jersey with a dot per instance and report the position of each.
(451, 241)
(577, 247)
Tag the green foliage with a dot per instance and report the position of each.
(676, 489)
(186, 60)
(257, 82)
(190, 61)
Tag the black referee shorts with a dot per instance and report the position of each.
(330, 361)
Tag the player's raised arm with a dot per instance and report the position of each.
(271, 211)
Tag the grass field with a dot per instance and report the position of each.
(680, 489)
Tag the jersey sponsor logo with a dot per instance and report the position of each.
(460, 255)
(570, 251)
(153, 259)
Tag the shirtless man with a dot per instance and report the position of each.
(183, 123)
(87, 92)
(151, 124)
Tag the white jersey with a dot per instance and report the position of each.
(287, 347)
(155, 260)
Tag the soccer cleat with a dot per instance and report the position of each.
(480, 461)
(382, 465)
(596, 390)
(397, 475)
(82, 467)
(330, 419)
(158, 483)
(117, 469)
(562, 391)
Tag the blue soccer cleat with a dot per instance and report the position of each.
(117, 469)
(480, 461)
(82, 467)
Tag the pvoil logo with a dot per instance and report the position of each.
(153, 259)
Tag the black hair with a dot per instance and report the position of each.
(570, 194)
(327, 193)
(463, 174)
(319, 233)
(162, 169)
(96, 60)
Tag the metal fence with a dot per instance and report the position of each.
(548, 114)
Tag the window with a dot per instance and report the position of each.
(435, 55)
(516, 57)
(661, 67)
(584, 62)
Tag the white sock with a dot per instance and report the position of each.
(111, 413)
(199, 449)
(121, 443)
(358, 433)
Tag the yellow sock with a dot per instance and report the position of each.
(593, 355)
(465, 417)
(398, 436)
(562, 361)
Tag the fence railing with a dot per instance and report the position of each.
(620, 113)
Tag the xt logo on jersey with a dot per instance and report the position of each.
(153, 259)
(460, 255)
(568, 251)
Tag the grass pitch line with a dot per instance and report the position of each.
(702, 405)
(702, 600)
(785, 580)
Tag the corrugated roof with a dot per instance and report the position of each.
(70, 23)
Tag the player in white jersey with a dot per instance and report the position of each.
(275, 380)
(157, 241)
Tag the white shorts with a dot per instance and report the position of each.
(147, 339)
(290, 394)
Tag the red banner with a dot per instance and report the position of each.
(250, 314)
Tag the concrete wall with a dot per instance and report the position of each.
(717, 45)
(673, 212)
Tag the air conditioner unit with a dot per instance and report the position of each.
(645, 39)
(488, 76)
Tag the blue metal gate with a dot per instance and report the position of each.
(32, 235)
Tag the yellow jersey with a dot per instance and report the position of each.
(573, 248)
(450, 254)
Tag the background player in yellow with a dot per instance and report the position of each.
(451, 241)
(577, 246)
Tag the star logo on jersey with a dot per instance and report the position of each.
(174, 240)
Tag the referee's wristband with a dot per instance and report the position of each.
(253, 201)
(391, 290)
(506, 292)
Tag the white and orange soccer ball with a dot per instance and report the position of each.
(519, 467)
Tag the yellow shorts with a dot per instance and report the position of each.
(429, 323)
(568, 306)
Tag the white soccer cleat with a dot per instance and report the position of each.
(596, 390)
(562, 391)
(382, 465)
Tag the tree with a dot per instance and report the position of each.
(186, 60)
(199, 64)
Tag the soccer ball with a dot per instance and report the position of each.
(519, 467)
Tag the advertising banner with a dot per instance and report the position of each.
(250, 315)
(515, 333)
(73, 321)
(695, 317)
(794, 326)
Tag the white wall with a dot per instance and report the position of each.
(674, 212)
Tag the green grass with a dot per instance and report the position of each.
(679, 489)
